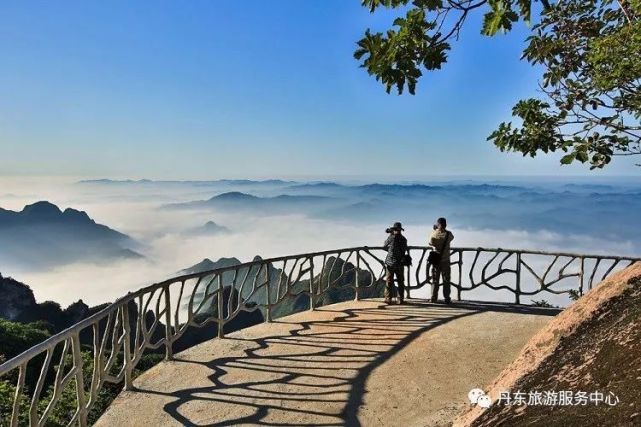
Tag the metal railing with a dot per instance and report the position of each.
(112, 342)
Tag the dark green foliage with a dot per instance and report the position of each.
(7, 392)
(17, 337)
(543, 303)
(396, 57)
(574, 294)
(589, 50)
(422, 38)
(591, 80)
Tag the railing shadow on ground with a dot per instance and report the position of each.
(317, 371)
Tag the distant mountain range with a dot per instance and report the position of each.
(534, 207)
(528, 204)
(237, 201)
(238, 182)
(41, 236)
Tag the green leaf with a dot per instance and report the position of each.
(568, 158)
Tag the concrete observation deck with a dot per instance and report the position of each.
(353, 363)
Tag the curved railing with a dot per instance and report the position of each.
(111, 343)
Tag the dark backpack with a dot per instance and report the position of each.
(406, 260)
(434, 258)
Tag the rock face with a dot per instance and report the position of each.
(340, 289)
(15, 298)
(338, 285)
(18, 304)
(207, 264)
(592, 346)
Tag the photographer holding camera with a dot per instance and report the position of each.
(440, 259)
(396, 246)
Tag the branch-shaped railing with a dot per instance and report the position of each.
(105, 348)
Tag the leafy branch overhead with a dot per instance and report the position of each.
(590, 103)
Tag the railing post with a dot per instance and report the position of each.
(80, 383)
(517, 294)
(123, 333)
(460, 275)
(311, 283)
(169, 352)
(357, 297)
(127, 346)
(17, 396)
(221, 317)
(581, 274)
(408, 282)
(268, 294)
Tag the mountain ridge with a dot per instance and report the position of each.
(42, 235)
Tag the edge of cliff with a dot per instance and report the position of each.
(592, 346)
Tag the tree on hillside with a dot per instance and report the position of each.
(590, 103)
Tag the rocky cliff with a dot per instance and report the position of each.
(593, 347)
(17, 303)
(16, 298)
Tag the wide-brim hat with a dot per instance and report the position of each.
(397, 226)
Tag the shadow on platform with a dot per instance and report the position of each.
(315, 372)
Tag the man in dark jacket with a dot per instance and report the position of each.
(396, 245)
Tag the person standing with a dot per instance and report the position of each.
(440, 240)
(396, 246)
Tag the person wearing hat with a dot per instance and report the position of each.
(440, 240)
(396, 246)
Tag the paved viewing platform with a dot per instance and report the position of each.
(350, 363)
(334, 363)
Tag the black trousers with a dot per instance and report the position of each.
(442, 270)
(389, 281)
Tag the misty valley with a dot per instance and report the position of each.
(96, 240)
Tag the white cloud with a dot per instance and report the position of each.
(168, 249)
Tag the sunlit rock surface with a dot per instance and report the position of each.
(592, 346)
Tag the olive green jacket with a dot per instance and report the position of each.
(436, 241)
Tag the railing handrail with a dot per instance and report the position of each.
(356, 248)
(68, 332)
(115, 337)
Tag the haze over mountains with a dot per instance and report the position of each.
(210, 228)
(68, 255)
(41, 235)
(560, 208)
(241, 202)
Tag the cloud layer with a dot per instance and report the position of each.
(136, 210)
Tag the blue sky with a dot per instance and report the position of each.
(212, 89)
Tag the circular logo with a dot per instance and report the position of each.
(484, 401)
(474, 395)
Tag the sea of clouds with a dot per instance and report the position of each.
(136, 210)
